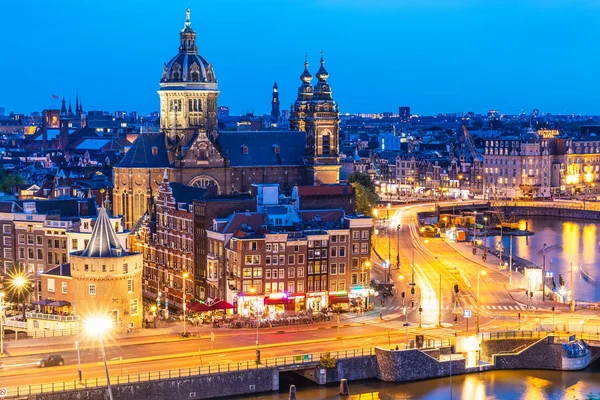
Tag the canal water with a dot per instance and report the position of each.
(494, 385)
(567, 242)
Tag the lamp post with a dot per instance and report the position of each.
(474, 229)
(571, 301)
(544, 273)
(479, 273)
(99, 326)
(2, 323)
(387, 210)
(398, 237)
(79, 373)
(253, 291)
(20, 282)
(183, 290)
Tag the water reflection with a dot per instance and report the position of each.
(495, 385)
(567, 242)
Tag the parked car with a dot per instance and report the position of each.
(49, 361)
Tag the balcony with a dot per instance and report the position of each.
(52, 317)
(13, 323)
(212, 256)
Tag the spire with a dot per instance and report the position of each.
(306, 77)
(77, 103)
(63, 109)
(104, 241)
(70, 108)
(322, 73)
(188, 36)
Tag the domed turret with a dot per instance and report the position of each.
(322, 90)
(306, 77)
(188, 65)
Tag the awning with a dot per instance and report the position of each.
(196, 306)
(335, 299)
(59, 303)
(43, 302)
(221, 305)
(275, 300)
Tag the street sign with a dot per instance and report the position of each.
(467, 313)
(3, 392)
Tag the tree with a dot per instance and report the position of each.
(8, 180)
(363, 179)
(366, 199)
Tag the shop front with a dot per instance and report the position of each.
(339, 301)
(276, 305)
(296, 303)
(359, 296)
(316, 301)
(248, 306)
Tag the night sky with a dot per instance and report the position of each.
(434, 55)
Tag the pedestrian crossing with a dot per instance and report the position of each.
(492, 307)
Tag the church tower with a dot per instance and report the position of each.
(275, 104)
(188, 96)
(299, 109)
(322, 125)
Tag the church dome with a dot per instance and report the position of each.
(188, 65)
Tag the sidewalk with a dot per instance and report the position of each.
(172, 332)
(517, 293)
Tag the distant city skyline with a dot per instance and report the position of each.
(434, 56)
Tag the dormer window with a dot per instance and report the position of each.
(154, 150)
(276, 148)
(244, 149)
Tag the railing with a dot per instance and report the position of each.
(52, 317)
(310, 358)
(558, 336)
(11, 323)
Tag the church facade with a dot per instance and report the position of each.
(191, 149)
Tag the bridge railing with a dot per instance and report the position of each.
(293, 360)
(558, 336)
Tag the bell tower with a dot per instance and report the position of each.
(188, 96)
(275, 104)
(322, 125)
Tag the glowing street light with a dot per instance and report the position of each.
(183, 290)
(253, 291)
(100, 326)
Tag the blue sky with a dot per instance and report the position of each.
(436, 56)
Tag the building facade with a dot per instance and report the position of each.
(106, 279)
(195, 153)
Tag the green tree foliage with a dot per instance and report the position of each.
(8, 180)
(328, 361)
(363, 179)
(366, 198)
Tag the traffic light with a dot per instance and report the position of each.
(456, 288)
(420, 309)
(519, 315)
(455, 318)
(403, 295)
(412, 290)
(552, 308)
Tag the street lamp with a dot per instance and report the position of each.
(479, 273)
(389, 242)
(253, 291)
(183, 290)
(398, 255)
(19, 284)
(99, 326)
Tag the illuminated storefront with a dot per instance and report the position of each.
(316, 301)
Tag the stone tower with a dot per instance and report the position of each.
(316, 112)
(275, 104)
(107, 280)
(188, 96)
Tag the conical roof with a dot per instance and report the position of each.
(104, 241)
